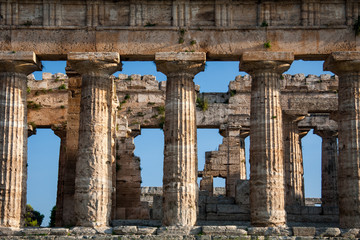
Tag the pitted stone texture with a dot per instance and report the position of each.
(13, 134)
(267, 193)
(346, 65)
(179, 230)
(328, 232)
(93, 183)
(224, 230)
(180, 160)
(304, 231)
(294, 171)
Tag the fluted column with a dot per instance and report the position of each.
(180, 152)
(61, 133)
(243, 134)
(294, 169)
(93, 181)
(267, 191)
(329, 167)
(14, 68)
(347, 66)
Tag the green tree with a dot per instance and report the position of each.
(32, 218)
(52, 217)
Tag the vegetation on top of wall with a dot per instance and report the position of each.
(202, 103)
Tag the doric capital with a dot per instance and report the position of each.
(19, 62)
(343, 62)
(171, 63)
(293, 115)
(258, 62)
(303, 132)
(326, 132)
(94, 63)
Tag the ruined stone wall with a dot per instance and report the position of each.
(140, 104)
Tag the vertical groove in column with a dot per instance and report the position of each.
(92, 185)
(13, 142)
(293, 163)
(180, 164)
(349, 150)
(266, 152)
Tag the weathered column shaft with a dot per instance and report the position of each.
(180, 153)
(329, 167)
(180, 161)
(67, 217)
(294, 169)
(93, 183)
(14, 134)
(347, 66)
(13, 147)
(267, 194)
(61, 133)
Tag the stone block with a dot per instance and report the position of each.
(179, 230)
(36, 231)
(6, 231)
(145, 230)
(232, 209)
(59, 231)
(211, 208)
(304, 231)
(328, 232)
(269, 231)
(103, 230)
(83, 231)
(124, 230)
(221, 200)
(350, 233)
(224, 230)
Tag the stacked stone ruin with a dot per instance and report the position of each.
(97, 116)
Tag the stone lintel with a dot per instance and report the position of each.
(180, 63)
(21, 62)
(342, 62)
(94, 62)
(266, 61)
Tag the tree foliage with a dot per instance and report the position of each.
(52, 217)
(32, 218)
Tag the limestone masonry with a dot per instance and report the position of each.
(98, 116)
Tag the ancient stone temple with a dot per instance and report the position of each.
(98, 115)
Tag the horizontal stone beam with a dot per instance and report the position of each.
(138, 29)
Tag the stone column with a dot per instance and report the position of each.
(243, 134)
(14, 68)
(60, 131)
(180, 152)
(93, 181)
(294, 169)
(347, 66)
(72, 142)
(267, 190)
(329, 167)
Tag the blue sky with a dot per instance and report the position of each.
(43, 148)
